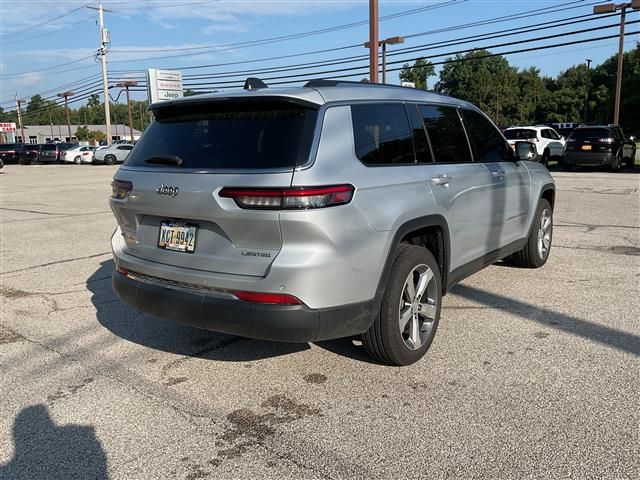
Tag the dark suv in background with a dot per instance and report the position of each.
(14, 152)
(50, 152)
(605, 146)
(30, 154)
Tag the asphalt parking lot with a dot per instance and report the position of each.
(532, 374)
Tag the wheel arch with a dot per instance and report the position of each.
(430, 231)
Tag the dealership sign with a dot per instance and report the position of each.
(163, 85)
(7, 127)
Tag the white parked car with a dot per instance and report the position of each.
(78, 155)
(549, 144)
(116, 153)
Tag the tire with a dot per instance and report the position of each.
(109, 160)
(536, 251)
(386, 340)
(77, 160)
(616, 165)
(631, 159)
(545, 159)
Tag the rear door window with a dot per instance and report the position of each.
(520, 134)
(420, 142)
(228, 135)
(487, 142)
(382, 134)
(446, 134)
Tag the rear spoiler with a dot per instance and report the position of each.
(200, 100)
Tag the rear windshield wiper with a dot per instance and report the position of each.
(165, 160)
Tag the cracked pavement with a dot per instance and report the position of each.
(532, 374)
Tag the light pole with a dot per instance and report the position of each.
(383, 44)
(66, 95)
(586, 95)
(611, 8)
(126, 85)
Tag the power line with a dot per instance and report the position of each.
(66, 86)
(228, 46)
(17, 74)
(419, 48)
(459, 41)
(528, 13)
(22, 40)
(46, 22)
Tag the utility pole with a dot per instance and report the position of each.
(611, 8)
(126, 85)
(586, 96)
(373, 41)
(66, 95)
(51, 124)
(102, 53)
(19, 102)
(141, 118)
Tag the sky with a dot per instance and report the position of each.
(48, 46)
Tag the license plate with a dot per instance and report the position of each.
(586, 147)
(177, 236)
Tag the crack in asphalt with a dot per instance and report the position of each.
(48, 264)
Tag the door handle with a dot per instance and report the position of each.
(440, 180)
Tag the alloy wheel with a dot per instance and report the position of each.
(418, 307)
(544, 233)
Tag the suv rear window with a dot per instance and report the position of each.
(591, 133)
(7, 146)
(48, 147)
(229, 135)
(382, 134)
(520, 134)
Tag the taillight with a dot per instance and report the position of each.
(269, 298)
(120, 188)
(289, 198)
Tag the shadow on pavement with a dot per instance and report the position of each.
(623, 341)
(46, 451)
(168, 336)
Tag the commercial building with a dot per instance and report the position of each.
(45, 133)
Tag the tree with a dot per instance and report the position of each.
(418, 73)
(96, 135)
(82, 133)
(484, 80)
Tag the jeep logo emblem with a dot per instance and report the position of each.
(166, 190)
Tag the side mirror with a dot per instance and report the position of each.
(562, 138)
(632, 138)
(526, 151)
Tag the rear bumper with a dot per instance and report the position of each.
(588, 158)
(296, 323)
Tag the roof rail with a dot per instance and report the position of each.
(321, 82)
(253, 83)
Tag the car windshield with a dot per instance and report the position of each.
(519, 134)
(67, 146)
(228, 135)
(591, 133)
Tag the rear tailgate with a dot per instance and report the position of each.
(173, 213)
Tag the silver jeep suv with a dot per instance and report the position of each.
(330, 210)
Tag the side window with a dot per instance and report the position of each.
(420, 142)
(448, 140)
(382, 134)
(487, 142)
(125, 147)
(554, 135)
